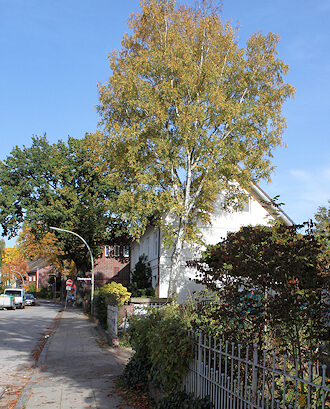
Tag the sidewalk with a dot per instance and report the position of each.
(73, 370)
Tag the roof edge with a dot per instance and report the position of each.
(263, 195)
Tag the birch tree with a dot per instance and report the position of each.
(186, 114)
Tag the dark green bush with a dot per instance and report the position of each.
(161, 338)
(183, 400)
(141, 282)
(44, 293)
(101, 308)
(136, 374)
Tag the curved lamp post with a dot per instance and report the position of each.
(92, 261)
(14, 271)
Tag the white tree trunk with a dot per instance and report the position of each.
(176, 262)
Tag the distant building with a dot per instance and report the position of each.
(38, 273)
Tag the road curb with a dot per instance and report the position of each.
(20, 404)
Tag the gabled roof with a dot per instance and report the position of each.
(268, 203)
(37, 264)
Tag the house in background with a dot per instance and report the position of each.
(256, 211)
(38, 273)
(112, 265)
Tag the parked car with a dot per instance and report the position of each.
(19, 294)
(30, 300)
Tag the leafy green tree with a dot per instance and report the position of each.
(269, 282)
(322, 230)
(57, 185)
(45, 247)
(141, 280)
(2, 251)
(2, 255)
(188, 114)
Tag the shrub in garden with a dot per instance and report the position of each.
(32, 288)
(44, 293)
(141, 281)
(161, 341)
(269, 282)
(183, 400)
(110, 294)
(136, 374)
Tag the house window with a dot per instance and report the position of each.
(116, 270)
(107, 251)
(126, 251)
(116, 250)
(148, 247)
(246, 208)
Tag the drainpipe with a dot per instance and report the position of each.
(158, 262)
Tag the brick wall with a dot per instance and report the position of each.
(111, 268)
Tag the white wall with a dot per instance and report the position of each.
(221, 224)
(148, 245)
(224, 222)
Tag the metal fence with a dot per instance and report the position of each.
(112, 320)
(117, 317)
(237, 378)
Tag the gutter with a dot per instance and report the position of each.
(158, 261)
(259, 192)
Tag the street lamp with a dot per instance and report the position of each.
(92, 261)
(14, 271)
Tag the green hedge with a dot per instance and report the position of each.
(162, 347)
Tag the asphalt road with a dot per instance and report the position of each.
(23, 333)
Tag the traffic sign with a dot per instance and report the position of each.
(69, 283)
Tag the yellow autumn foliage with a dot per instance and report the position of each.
(115, 294)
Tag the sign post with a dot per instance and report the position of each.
(68, 285)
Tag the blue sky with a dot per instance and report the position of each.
(54, 52)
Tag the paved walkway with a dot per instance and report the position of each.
(73, 370)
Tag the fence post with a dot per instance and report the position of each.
(199, 364)
(255, 373)
(112, 320)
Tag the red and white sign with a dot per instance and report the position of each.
(69, 285)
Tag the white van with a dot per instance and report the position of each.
(19, 294)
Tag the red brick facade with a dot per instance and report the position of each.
(38, 273)
(112, 265)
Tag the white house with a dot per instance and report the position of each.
(255, 212)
